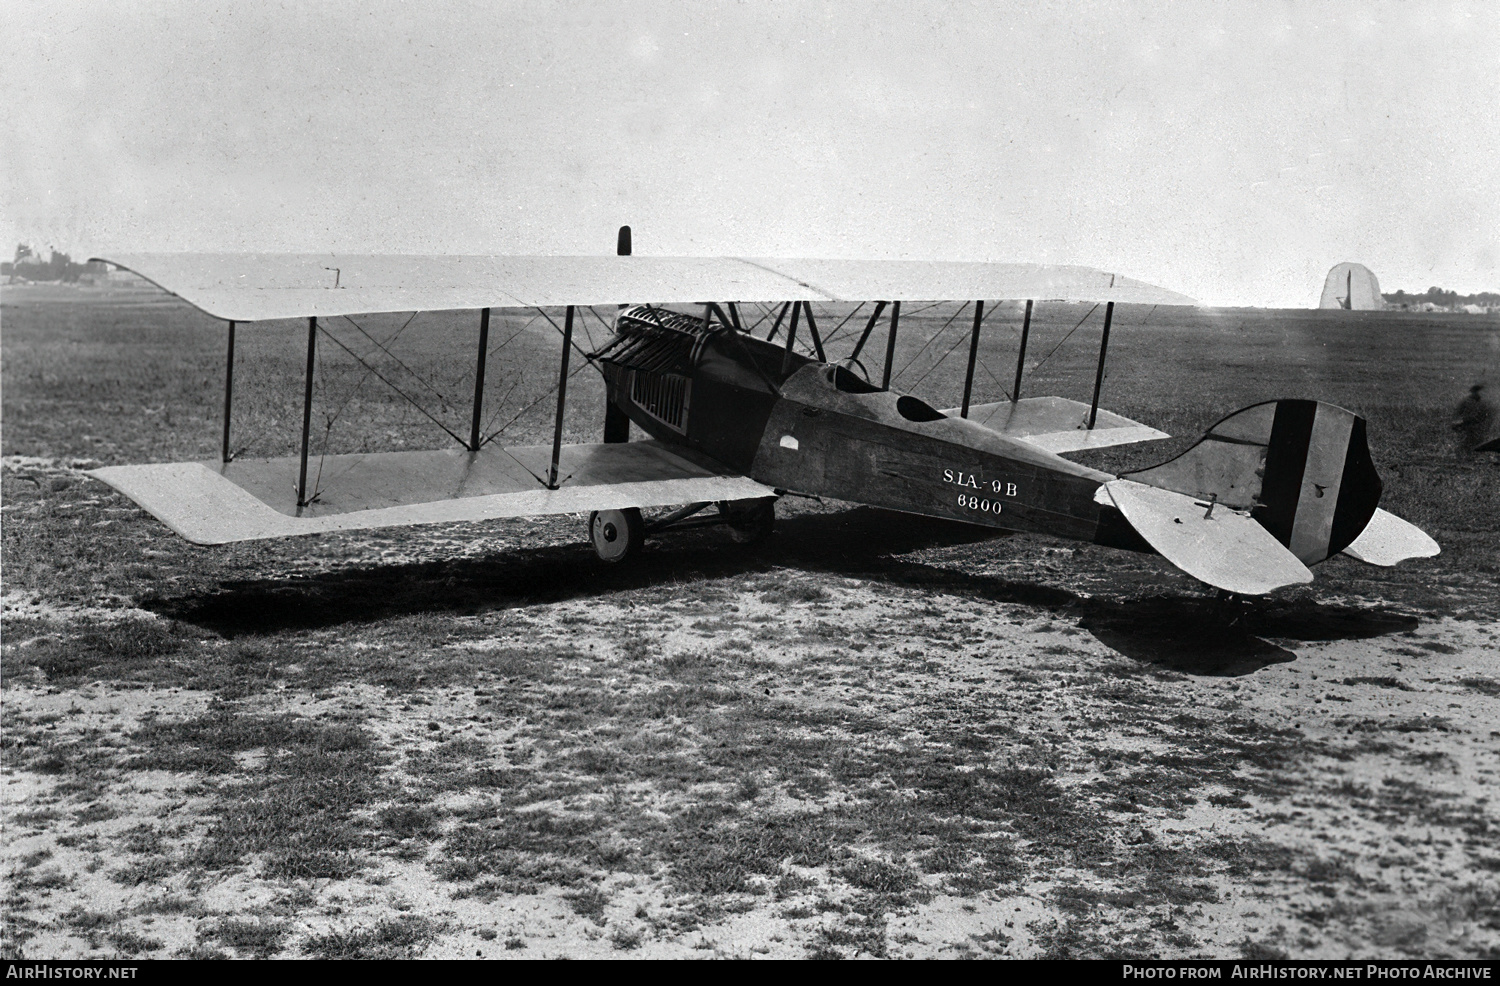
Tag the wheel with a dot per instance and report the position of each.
(750, 521)
(617, 534)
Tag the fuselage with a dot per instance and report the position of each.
(818, 429)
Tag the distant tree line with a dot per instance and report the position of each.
(30, 265)
(1442, 299)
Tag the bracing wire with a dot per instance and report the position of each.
(407, 397)
(990, 373)
(986, 367)
(765, 313)
(930, 340)
(366, 376)
(982, 319)
(829, 339)
(924, 310)
(529, 406)
(331, 419)
(1038, 365)
(581, 352)
(939, 363)
(583, 324)
(442, 398)
(551, 390)
(520, 378)
(500, 404)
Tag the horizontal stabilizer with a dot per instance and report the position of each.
(1223, 547)
(1057, 425)
(1387, 539)
(245, 500)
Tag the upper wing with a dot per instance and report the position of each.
(248, 499)
(251, 287)
(1057, 425)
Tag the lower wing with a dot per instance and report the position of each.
(1057, 425)
(250, 499)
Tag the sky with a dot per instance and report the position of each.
(1231, 151)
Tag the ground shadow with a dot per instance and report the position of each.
(1192, 636)
(860, 541)
(1207, 637)
(1304, 619)
(1183, 632)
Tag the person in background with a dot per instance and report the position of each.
(1473, 419)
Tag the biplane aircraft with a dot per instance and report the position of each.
(735, 421)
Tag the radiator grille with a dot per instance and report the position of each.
(664, 396)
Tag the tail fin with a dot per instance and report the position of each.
(1302, 468)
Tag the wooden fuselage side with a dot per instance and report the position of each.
(828, 433)
(891, 450)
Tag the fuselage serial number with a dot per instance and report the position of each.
(975, 501)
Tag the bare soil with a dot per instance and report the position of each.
(871, 736)
(954, 747)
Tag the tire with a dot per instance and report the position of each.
(616, 534)
(750, 521)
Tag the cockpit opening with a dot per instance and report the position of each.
(848, 381)
(915, 410)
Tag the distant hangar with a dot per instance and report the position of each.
(1351, 286)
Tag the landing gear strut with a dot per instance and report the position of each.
(749, 521)
(618, 534)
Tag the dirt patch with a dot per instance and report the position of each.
(772, 762)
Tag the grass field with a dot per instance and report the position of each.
(871, 736)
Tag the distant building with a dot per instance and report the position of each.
(94, 273)
(1437, 299)
(1351, 287)
(29, 266)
